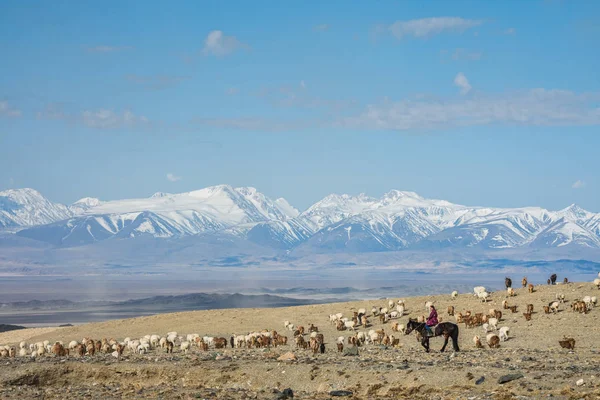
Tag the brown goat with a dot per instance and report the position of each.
(498, 315)
(169, 346)
(527, 316)
(450, 310)
(567, 343)
(340, 347)
(513, 309)
(530, 288)
(524, 281)
(529, 308)
(546, 310)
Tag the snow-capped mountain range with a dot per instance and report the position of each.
(338, 223)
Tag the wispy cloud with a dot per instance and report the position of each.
(6, 110)
(321, 28)
(427, 27)
(107, 49)
(510, 31)
(579, 184)
(102, 118)
(173, 178)
(232, 91)
(536, 107)
(218, 44)
(462, 82)
(109, 119)
(156, 82)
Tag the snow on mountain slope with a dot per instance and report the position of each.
(27, 207)
(82, 205)
(398, 220)
(165, 215)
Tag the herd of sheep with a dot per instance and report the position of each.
(358, 319)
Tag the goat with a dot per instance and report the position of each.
(567, 343)
(524, 281)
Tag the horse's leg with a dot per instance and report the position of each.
(455, 341)
(425, 343)
(446, 336)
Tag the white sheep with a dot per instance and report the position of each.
(486, 327)
(340, 339)
(597, 282)
(493, 323)
(391, 304)
(339, 315)
(560, 297)
(41, 351)
(362, 311)
(510, 292)
(73, 344)
(313, 335)
(483, 296)
(349, 324)
(383, 310)
(374, 310)
(162, 342)
(185, 346)
(22, 345)
(454, 294)
(478, 289)
(554, 306)
(400, 309)
(594, 300)
(503, 333)
(428, 304)
(332, 319)
(23, 352)
(394, 314)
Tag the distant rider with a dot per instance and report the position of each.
(432, 320)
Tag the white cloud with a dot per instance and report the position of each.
(510, 31)
(462, 82)
(321, 28)
(109, 119)
(536, 107)
(218, 44)
(6, 110)
(107, 49)
(173, 178)
(579, 184)
(427, 27)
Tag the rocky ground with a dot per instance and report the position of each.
(531, 360)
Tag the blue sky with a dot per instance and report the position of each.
(479, 103)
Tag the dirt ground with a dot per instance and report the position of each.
(376, 372)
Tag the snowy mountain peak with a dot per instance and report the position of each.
(27, 207)
(88, 201)
(160, 194)
(574, 212)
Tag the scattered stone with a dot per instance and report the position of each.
(350, 351)
(470, 376)
(579, 382)
(289, 356)
(480, 380)
(340, 393)
(222, 358)
(285, 395)
(509, 378)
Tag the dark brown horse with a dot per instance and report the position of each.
(446, 329)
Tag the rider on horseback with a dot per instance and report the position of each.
(432, 320)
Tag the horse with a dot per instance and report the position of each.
(446, 329)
